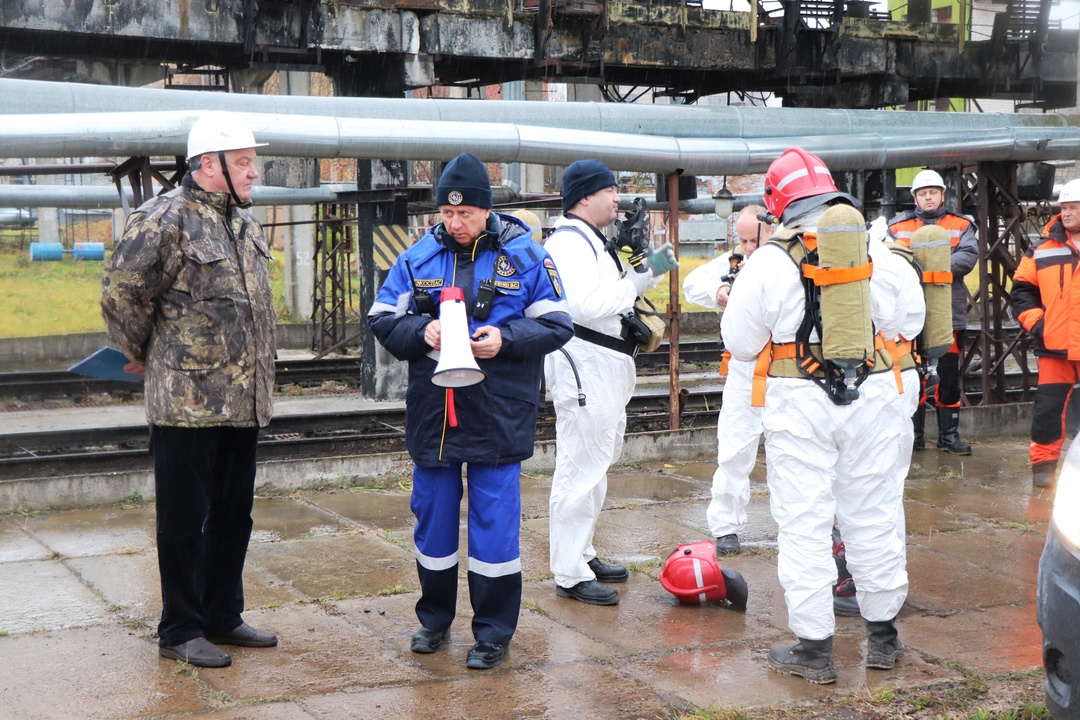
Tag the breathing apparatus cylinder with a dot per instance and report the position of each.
(933, 252)
(847, 327)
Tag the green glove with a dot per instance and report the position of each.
(662, 259)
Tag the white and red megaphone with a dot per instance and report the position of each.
(457, 367)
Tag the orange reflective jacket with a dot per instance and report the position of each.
(1046, 294)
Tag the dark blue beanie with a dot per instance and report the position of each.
(583, 178)
(464, 181)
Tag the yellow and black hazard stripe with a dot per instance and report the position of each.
(390, 241)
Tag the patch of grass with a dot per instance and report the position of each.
(661, 294)
(397, 589)
(64, 297)
(18, 510)
(535, 607)
(132, 500)
(713, 713)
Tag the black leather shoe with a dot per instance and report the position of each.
(608, 573)
(199, 652)
(845, 606)
(427, 641)
(485, 655)
(727, 545)
(245, 636)
(589, 592)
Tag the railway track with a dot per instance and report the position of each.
(42, 385)
(321, 434)
(317, 434)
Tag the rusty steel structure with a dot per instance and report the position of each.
(812, 53)
(335, 243)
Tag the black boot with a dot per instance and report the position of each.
(810, 659)
(918, 420)
(883, 647)
(948, 420)
(1042, 474)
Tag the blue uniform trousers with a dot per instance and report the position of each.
(493, 540)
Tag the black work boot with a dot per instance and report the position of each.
(1042, 474)
(810, 659)
(948, 420)
(883, 647)
(918, 421)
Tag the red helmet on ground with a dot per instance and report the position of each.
(692, 574)
(796, 175)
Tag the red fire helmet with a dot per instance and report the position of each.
(795, 175)
(692, 574)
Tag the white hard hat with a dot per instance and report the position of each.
(925, 179)
(219, 131)
(1070, 193)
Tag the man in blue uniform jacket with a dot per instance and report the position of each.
(516, 315)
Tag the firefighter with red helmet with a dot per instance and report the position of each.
(832, 414)
(928, 190)
(1046, 296)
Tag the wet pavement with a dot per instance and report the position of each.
(331, 572)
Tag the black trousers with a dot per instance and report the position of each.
(205, 483)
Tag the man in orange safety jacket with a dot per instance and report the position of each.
(1046, 297)
(928, 189)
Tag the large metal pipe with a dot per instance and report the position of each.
(164, 133)
(105, 197)
(38, 97)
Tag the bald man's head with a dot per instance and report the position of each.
(750, 231)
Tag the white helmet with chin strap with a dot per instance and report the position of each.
(219, 132)
(1070, 193)
(925, 179)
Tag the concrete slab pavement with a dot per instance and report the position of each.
(331, 572)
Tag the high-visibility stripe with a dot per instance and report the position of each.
(699, 580)
(434, 563)
(494, 570)
(390, 241)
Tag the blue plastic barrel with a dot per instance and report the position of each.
(46, 251)
(89, 251)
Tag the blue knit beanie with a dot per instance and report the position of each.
(583, 178)
(464, 181)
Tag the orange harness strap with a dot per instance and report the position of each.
(761, 374)
(725, 358)
(930, 277)
(835, 276)
(895, 353)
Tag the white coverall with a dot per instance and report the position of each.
(824, 460)
(587, 439)
(738, 427)
(910, 313)
(898, 278)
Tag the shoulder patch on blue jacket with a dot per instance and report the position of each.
(522, 252)
(553, 276)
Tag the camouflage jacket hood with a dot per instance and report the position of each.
(187, 293)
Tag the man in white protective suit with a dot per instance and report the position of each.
(831, 449)
(592, 381)
(738, 426)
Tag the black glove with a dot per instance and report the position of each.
(1037, 334)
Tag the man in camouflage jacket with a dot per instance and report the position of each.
(186, 296)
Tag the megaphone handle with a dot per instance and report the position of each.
(451, 413)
